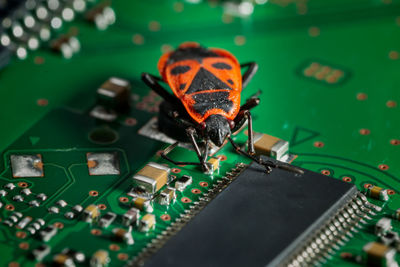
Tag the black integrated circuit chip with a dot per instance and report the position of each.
(259, 219)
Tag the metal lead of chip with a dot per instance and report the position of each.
(152, 177)
(106, 163)
(27, 166)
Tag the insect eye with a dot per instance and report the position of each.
(180, 70)
(222, 66)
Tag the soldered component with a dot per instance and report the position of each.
(9, 186)
(63, 260)
(8, 223)
(26, 191)
(115, 94)
(62, 203)
(130, 217)
(77, 256)
(41, 197)
(90, 213)
(390, 238)
(102, 16)
(40, 252)
(69, 215)
(213, 163)
(34, 203)
(122, 235)
(167, 196)
(183, 182)
(48, 233)
(106, 163)
(13, 218)
(77, 209)
(18, 198)
(54, 209)
(24, 222)
(100, 259)
(383, 226)
(270, 146)
(377, 193)
(67, 45)
(3, 193)
(107, 219)
(147, 222)
(142, 204)
(152, 177)
(377, 254)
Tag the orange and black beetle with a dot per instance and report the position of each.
(206, 84)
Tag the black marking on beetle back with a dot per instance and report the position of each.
(196, 53)
(222, 66)
(208, 101)
(180, 70)
(205, 80)
(182, 86)
(230, 81)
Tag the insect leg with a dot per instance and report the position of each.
(153, 82)
(267, 164)
(240, 117)
(250, 104)
(169, 149)
(190, 132)
(252, 68)
(250, 140)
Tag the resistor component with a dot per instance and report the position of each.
(62, 203)
(377, 254)
(40, 252)
(142, 204)
(377, 193)
(41, 197)
(90, 213)
(26, 191)
(383, 226)
(107, 219)
(130, 217)
(47, 233)
(100, 259)
(183, 182)
(24, 222)
(122, 235)
(147, 222)
(167, 196)
(63, 260)
(9, 186)
(214, 164)
(152, 177)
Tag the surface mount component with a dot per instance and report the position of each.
(270, 146)
(377, 193)
(282, 213)
(377, 254)
(152, 177)
(115, 94)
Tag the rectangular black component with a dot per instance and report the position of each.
(259, 219)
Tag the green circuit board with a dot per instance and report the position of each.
(328, 83)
